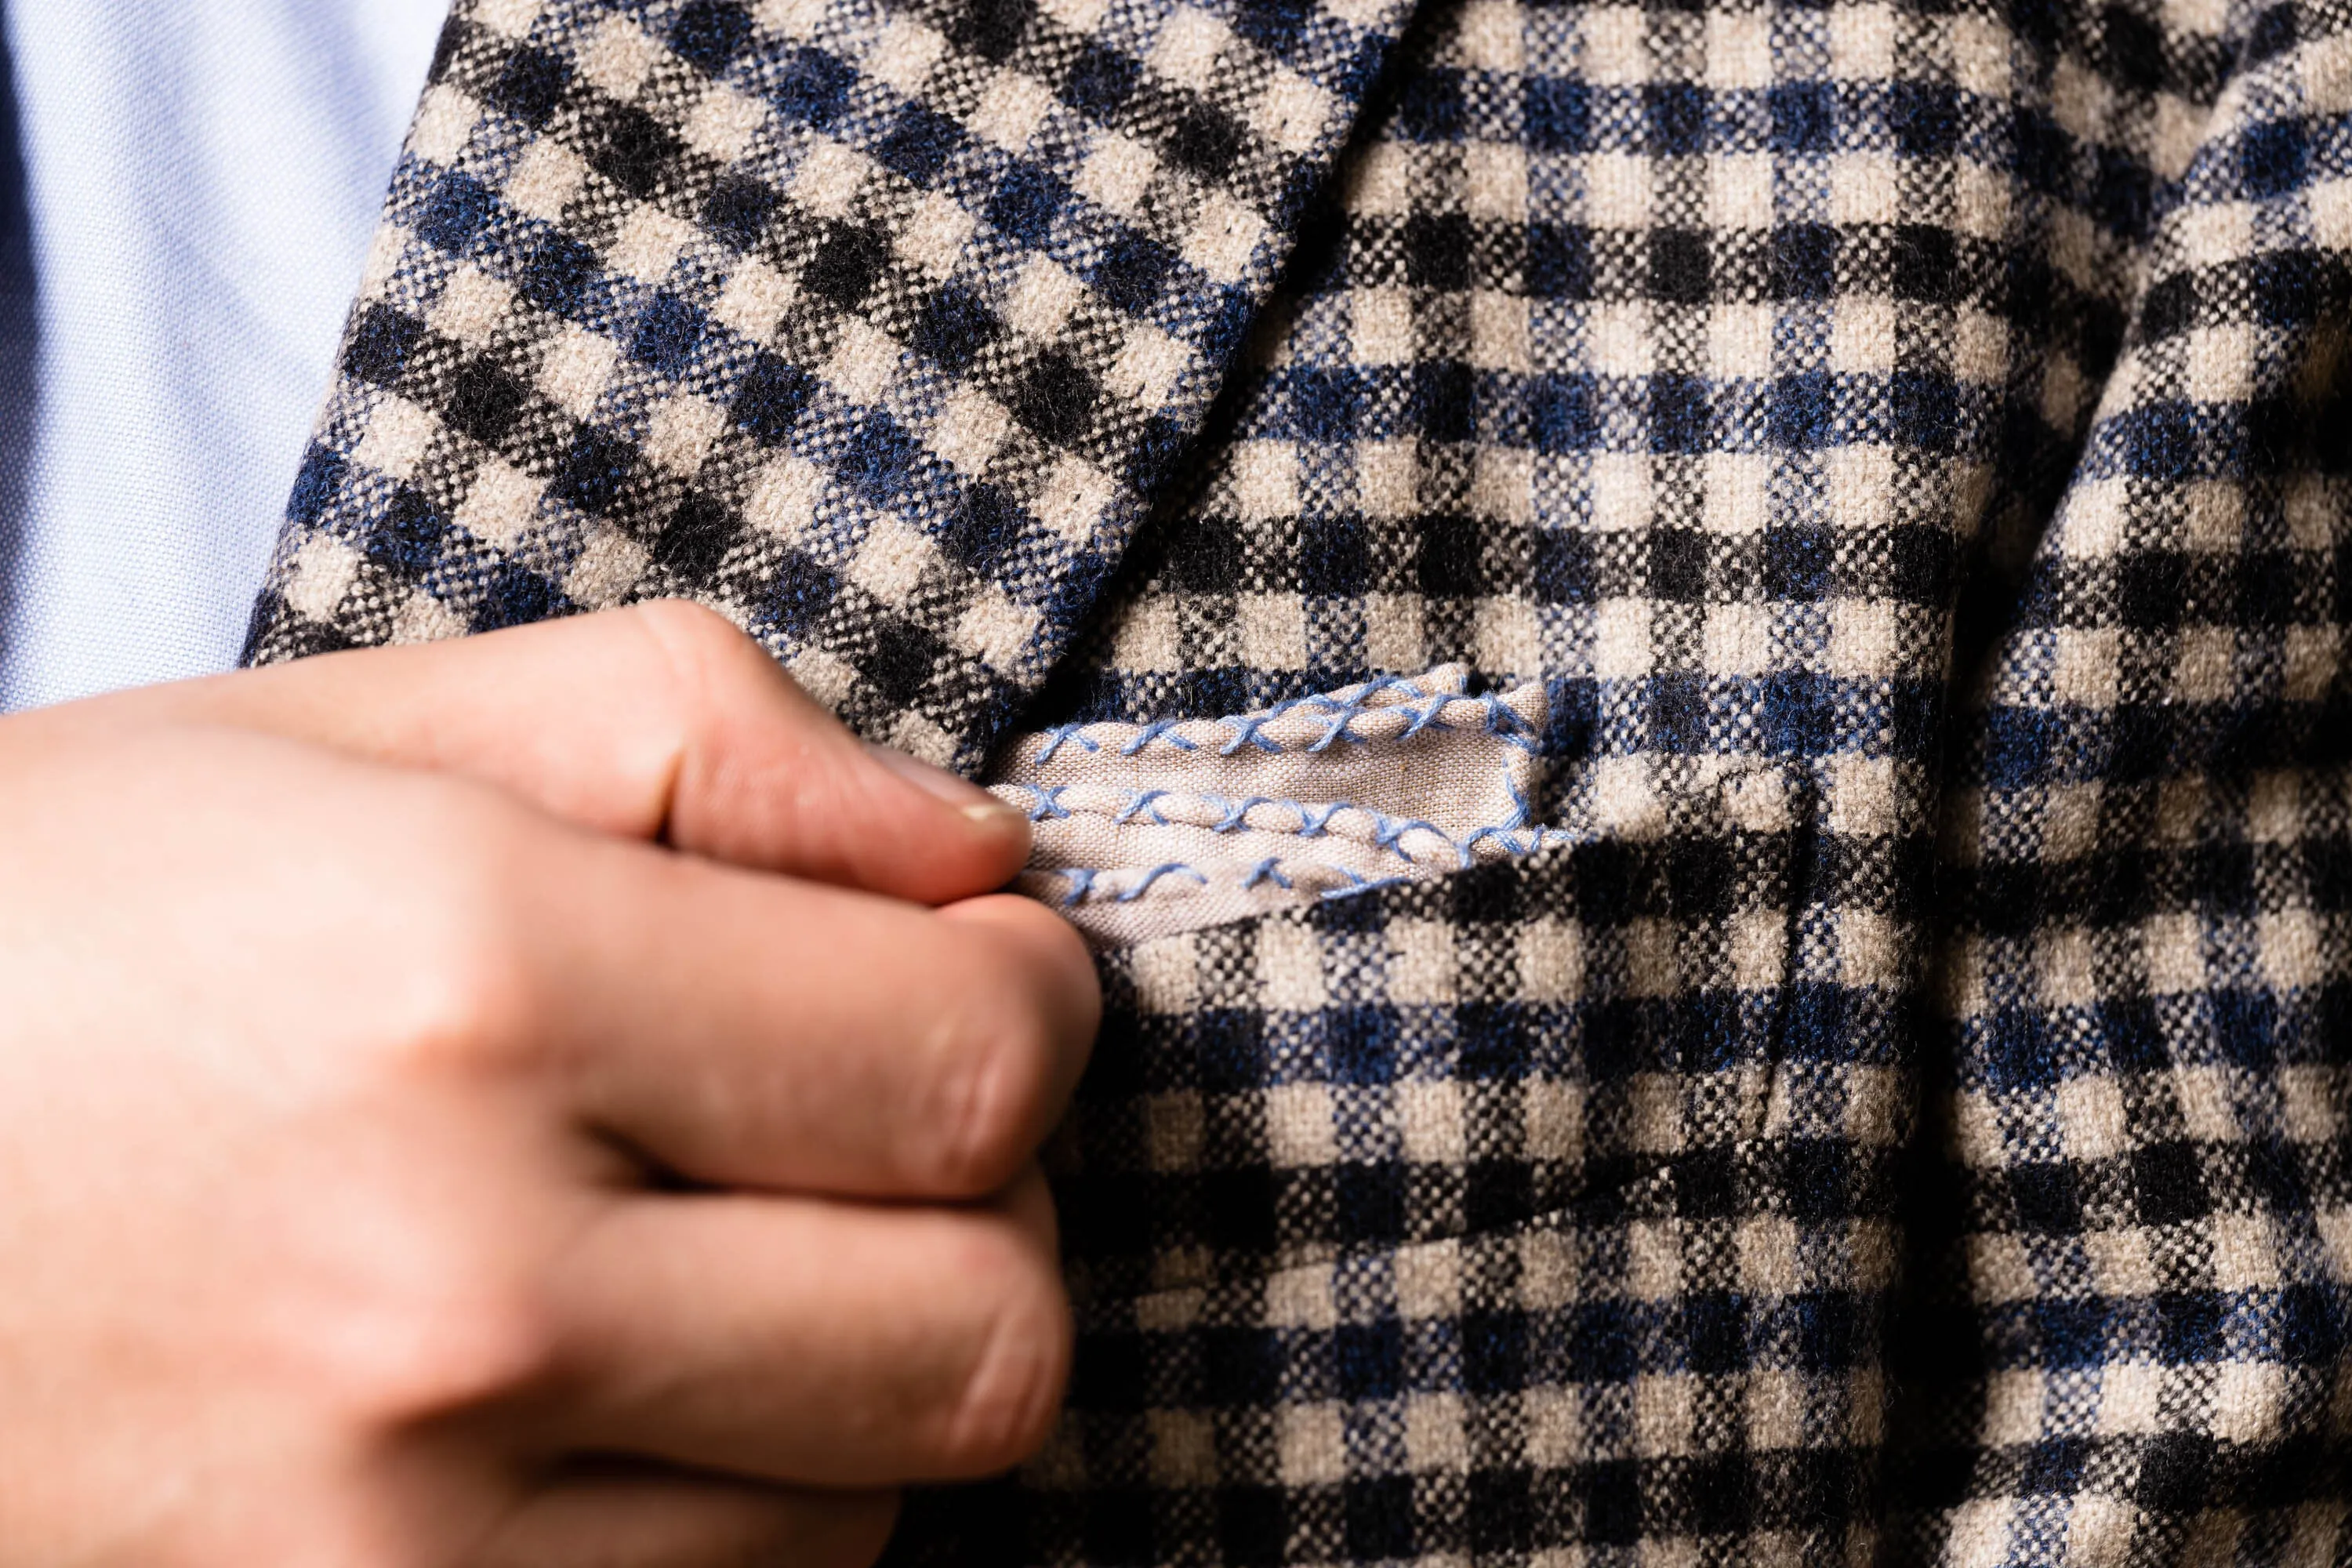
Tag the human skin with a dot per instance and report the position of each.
(551, 1099)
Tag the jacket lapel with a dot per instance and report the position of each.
(873, 327)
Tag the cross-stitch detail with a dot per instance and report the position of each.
(1303, 724)
(1144, 829)
(1411, 840)
(1438, 853)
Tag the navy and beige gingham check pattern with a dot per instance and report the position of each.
(874, 326)
(1903, 1118)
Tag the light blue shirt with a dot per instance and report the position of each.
(204, 176)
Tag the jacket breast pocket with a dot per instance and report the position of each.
(1473, 1203)
(1421, 1018)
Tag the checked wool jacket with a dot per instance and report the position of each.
(1688, 658)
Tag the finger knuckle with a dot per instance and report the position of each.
(465, 1362)
(1007, 1055)
(1000, 1075)
(463, 989)
(1057, 961)
(1013, 1393)
(463, 1007)
(352, 1528)
(490, 1350)
(685, 624)
(443, 1330)
(702, 665)
(698, 650)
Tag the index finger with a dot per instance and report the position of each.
(660, 721)
(744, 1031)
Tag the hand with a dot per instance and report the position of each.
(528, 1101)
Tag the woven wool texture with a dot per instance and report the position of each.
(1903, 1117)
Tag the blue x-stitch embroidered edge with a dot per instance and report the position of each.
(1312, 819)
(1343, 719)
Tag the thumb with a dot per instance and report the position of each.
(658, 722)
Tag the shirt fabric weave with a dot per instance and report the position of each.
(199, 182)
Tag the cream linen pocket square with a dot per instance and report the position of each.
(1145, 830)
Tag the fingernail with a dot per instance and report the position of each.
(974, 802)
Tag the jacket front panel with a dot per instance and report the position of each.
(1888, 1102)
